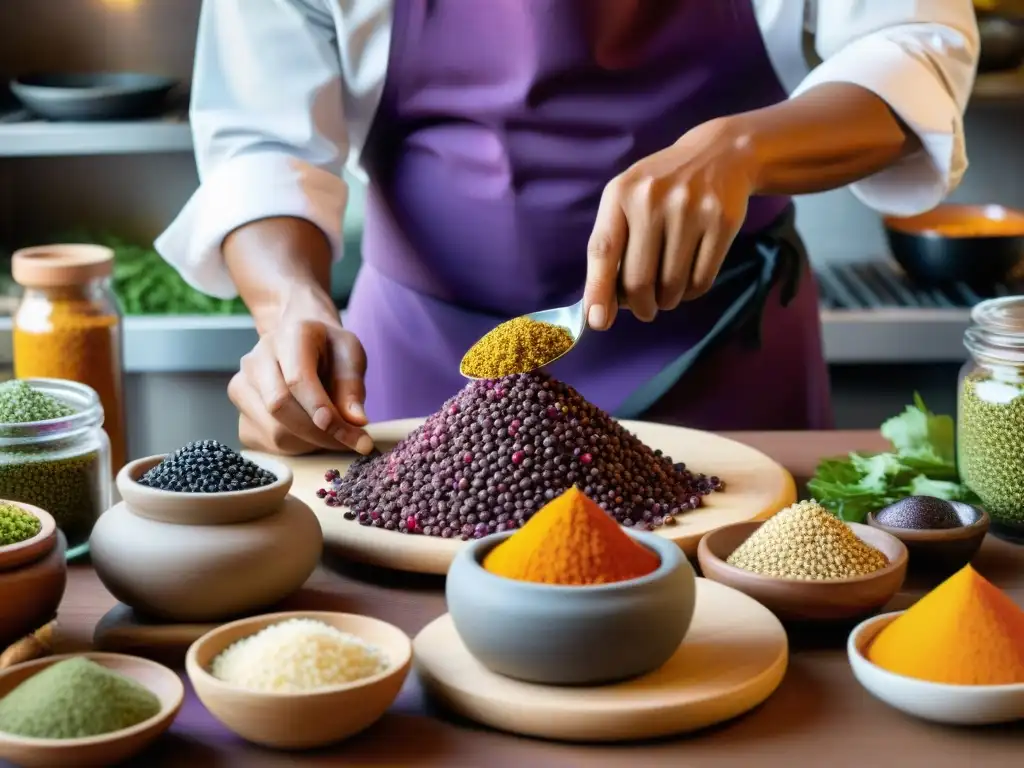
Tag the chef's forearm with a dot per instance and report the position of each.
(280, 264)
(830, 136)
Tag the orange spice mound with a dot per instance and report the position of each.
(966, 631)
(571, 541)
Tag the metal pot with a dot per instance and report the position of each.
(932, 253)
(1002, 42)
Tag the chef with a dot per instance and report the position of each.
(522, 153)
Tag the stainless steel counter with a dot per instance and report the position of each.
(178, 368)
(215, 344)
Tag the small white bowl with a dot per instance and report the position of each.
(938, 702)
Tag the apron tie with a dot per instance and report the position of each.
(781, 263)
(778, 259)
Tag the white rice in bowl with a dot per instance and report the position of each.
(297, 655)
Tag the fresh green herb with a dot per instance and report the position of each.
(922, 462)
(145, 284)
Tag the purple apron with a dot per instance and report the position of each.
(499, 126)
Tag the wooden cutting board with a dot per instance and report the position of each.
(734, 656)
(756, 488)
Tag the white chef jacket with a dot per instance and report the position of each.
(284, 93)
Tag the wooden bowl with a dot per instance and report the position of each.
(308, 719)
(109, 748)
(942, 551)
(979, 245)
(938, 702)
(28, 551)
(803, 600)
(31, 592)
(203, 508)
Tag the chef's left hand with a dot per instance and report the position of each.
(664, 226)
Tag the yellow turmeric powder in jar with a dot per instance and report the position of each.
(571, 541)
(964, 632)
(67, 326)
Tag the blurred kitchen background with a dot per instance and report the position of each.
(122, 182)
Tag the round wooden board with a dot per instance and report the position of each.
(756, 488)
(733, 658)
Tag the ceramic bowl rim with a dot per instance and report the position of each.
(670, 557)
(154, 83)
(901, 226)
(894, 565)
(128, 474)
(48, 527)
(193, 667)
(853, 650)
(936, 535)
(103, 738)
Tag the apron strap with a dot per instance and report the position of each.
(780, 259)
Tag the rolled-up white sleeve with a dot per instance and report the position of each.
(269, 129)
(920, 57)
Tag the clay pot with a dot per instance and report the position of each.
(205, 573)
(203, 508)
(544, 633)
(33, 575)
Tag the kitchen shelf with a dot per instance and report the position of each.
(39, 138)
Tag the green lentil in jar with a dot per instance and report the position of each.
(991, 443)
(60, 475)
(68, 487)
(17, 525)
(21, 404)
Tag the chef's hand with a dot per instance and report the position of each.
(301, 387)
(665, 225)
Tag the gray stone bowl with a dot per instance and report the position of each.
(571, 635)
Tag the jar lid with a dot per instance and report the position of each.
(55, 266)
(1003, 315)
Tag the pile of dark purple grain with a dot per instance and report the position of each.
(498, 451)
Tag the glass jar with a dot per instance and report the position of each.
(67, 326)
(61, 465)
(990, 413)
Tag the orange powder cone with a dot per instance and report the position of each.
(964, 632)
(571, 541)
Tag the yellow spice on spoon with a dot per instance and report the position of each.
(520, 345)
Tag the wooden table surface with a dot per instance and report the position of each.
(819, 715)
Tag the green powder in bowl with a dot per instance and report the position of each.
(16, 525)
(75, 699)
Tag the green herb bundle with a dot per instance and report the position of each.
(145, 284)
(922, 462)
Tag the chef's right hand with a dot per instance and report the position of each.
(301, 389)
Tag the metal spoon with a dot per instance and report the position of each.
(572, 318)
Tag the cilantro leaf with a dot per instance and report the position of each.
(922, 462)
(919, 433)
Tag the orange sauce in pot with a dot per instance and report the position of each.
(962, 221)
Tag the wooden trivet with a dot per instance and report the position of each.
(733, 658)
